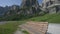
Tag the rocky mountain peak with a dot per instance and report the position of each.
(29, 3)
(30, 6)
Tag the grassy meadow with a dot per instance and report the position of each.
(10, 27)
(51, 18)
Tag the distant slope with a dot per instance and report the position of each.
(52, 18)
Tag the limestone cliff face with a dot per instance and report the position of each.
(27, 9)
(30, 6)
(30, 3)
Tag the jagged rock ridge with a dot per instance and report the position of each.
(30, 6)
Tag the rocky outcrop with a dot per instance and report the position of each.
(30, 3)
(30, 6)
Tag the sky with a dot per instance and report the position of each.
(12, 2)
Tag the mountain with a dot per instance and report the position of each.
(12, 10)
(30, 3)
(30, 7)
(8, 10)
(3, 10)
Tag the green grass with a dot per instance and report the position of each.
(10, 27)
(25, 32)
(51, 18)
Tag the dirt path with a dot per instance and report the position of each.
(35, 27)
